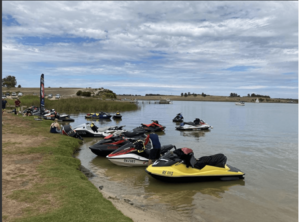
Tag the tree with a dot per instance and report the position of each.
(185, 95)
(181, 94)
(9, 81)
(19, 86)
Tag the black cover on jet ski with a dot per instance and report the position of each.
(218, 160)
(133, 134)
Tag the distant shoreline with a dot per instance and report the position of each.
(71, 92)
(211, 99)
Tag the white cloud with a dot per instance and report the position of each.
(169, 41)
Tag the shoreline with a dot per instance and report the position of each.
(40, 175)
(22, 177)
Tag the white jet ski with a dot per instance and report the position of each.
(196, 125)
(85, 130)
(134, 154)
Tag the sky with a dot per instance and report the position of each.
(162, 47)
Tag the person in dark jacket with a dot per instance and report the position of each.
(155, 147)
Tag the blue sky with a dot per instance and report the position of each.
(154, 46)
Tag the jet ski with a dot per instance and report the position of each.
(196, 125)
(68, 131)
(61, 117)
(100, 115)
(113, 142)
(117, 116)
(85, 130)
(134, 154)
(39, 111)
(178, 118)
(154, 126)
(181, 166)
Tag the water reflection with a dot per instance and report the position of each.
(198, 134)
(245, 136)
(137, 177)
(178, 196)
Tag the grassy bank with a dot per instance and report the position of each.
(75, 105)
(58, 191)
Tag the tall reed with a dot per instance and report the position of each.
(76, 105)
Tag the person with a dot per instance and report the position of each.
(94, 127)
(28, 112)
(3, 106)
(55, 127)
(155, 147)
(180, 116)
(197, 121)
(17, 105)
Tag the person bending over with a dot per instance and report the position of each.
(155, 147)
(94, 127)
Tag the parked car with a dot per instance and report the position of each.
(3, 96)
(13, 94)
(57, 96)
(20, 94)
(50, 96)
(7, 94)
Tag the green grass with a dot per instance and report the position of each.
(66, 193)
(78, 104)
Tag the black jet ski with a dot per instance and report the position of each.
(111, 142)
(61, 117)
(68, 131)
(134, 154)
(117, 116)
(153, 127)
(181, 166)
(178, 118)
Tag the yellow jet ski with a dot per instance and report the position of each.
(181, 166)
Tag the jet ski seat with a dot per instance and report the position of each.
(190, 123)
(218, 160)
(132, 134)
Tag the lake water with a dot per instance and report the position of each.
(259, 139)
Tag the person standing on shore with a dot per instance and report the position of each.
(17, 105)
(3, 106)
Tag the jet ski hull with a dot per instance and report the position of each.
(207, 127)
(180, 173)
(65, 119)
(87, 133)
(105, 149)
(129, 160)
(194, 179)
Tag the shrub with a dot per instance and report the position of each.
(79, 93)
(88, 94)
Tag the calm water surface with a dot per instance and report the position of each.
(259, 139)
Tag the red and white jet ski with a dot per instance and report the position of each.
(134, 154)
